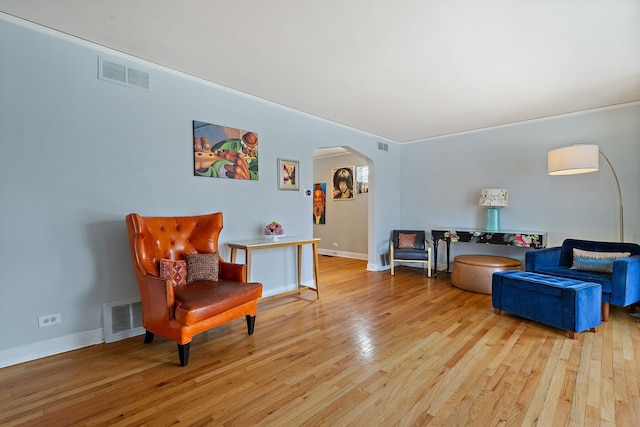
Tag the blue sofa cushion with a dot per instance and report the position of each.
(566, 253)
(600, 262)
(409, 254)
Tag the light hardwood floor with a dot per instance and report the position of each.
(374, 350)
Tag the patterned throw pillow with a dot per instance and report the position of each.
(406, 241)
(202, 267)
(175, 271)
(599, 262)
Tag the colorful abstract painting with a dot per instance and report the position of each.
(224, 152)
(319, 202)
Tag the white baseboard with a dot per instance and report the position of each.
(374, 267)
(352, 255)
(378, 267)
(41, 349)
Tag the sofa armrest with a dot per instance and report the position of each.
(233, 272)
(158, 299)
(625, 281)
(541, 258)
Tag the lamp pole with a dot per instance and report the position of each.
(619, 195)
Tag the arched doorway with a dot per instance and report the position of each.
(347, 226)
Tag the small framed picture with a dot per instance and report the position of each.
(288, 174)
(343, 183)
(362, 179)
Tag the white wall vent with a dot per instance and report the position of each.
(383, 146)
(384, 259)
(115, 71)
(122, 319)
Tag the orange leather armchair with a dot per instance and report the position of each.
(182, 311)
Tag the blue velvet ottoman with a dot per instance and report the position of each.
(566, 304)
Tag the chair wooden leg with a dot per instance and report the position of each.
(391, 259)
(574, 335)
(148, 337)
(605, 311)
(183, 353)
(251, 323)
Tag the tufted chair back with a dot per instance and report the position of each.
(170, 237)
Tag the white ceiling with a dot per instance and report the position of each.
(403, 70)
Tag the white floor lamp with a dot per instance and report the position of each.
(581, 158)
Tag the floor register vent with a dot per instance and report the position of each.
(122, 319)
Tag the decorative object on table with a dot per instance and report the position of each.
(494, 199)
(274, 230)
(581, 158)
(224, 152)
(343, 183)
(288, 171)
(319, 202)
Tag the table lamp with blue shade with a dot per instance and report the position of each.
(494, 199)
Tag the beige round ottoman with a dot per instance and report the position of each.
(473, 272)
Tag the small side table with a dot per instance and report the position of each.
(253, 245)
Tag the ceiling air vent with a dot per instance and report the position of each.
(123, 74)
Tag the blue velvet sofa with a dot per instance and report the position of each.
(620, 286)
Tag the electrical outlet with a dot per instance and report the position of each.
(48, 320)
(335, 244)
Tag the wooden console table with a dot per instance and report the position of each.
(523, 239)
(253, 245)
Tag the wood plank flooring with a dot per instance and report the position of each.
(373, 351)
